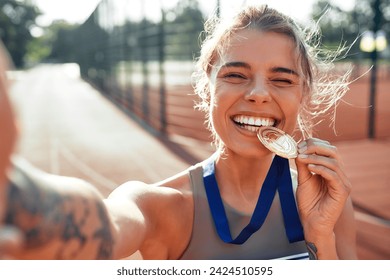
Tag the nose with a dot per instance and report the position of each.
(259, 93)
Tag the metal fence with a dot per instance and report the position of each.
(142, 59)
(140, 55)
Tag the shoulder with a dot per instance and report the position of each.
(144, 194)
(153, 201)
(164, 208)
(171, 188)
(171, 196)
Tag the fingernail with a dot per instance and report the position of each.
(303, 156)
(302, 149)
(302, 144)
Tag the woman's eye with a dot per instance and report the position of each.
(283, 81)
(234, 77)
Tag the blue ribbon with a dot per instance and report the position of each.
(278, 178)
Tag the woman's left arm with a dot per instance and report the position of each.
(324, 202)
(345, 231)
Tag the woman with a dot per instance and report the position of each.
(256, 71)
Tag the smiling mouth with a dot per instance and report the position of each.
(251, 123)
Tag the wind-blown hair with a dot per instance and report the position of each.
(323, 88)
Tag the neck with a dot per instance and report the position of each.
(240, 178)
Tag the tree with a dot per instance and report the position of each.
(340, 26)
(63, 42)
(184, 24)
(17, 17)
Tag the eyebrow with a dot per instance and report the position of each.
(236, 64)
(247, 66)
(284, 70)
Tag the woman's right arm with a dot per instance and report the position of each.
(67, 218)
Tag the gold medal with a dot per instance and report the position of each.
(278, 141)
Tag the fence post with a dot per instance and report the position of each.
(128, 60)
(374, 59)
(161, 54)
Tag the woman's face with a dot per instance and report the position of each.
(254, 83)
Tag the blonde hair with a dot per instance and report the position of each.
(323, 88)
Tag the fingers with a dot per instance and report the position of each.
(319, 147)
(320, 157)
(304, 173)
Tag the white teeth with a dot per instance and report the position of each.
(253, 123)
(252, 128)
(254, 120)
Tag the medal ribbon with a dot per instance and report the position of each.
(278, 178)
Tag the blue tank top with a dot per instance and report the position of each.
(269, 242)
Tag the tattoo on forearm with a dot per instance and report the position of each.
(104, 234)
(46, 216)
(30, 212)
(312, 249)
